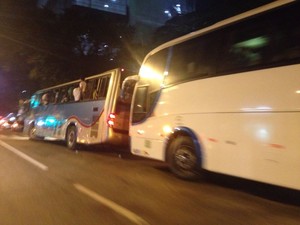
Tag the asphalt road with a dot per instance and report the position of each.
(44, 183)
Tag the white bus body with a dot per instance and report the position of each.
(225, 99)
(102, 116)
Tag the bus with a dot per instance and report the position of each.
(100, 117)
(225, 99)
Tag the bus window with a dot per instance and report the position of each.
(94, 90)
(140, 104)
(90, 87)
(103, 86)
(64, 96)
(152, 73)
(70, 89)
(247, 46)
(194, 59)
(262, 42)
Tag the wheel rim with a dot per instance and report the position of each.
(185, 159)
(71, 138)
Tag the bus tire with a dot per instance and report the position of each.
(71, 137)
(182, 158)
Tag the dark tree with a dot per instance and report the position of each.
(39, 48)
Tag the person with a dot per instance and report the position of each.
(56, 94)
(45, 99)
(95, 95)
(77, 93)
(64, 98)
(82, 85)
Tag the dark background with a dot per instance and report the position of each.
(39, 48)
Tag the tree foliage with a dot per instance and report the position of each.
(39, 48)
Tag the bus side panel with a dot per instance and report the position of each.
(53, 120)
(251, 145)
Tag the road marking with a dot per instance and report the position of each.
(24, 156)
(14, 137)
(17, 137)
(117, 208)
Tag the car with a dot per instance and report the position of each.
(18, 124)
(7, 121)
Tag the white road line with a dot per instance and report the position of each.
(14, 137)
(21, 138)
(22, 155)
(117, 208)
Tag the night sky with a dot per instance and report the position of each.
(17, 25)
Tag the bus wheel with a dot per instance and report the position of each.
(182, 158)
(71, 137)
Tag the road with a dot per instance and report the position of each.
(42, 182)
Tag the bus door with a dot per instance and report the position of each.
(107, 90)
(118, 121)
(123, 105)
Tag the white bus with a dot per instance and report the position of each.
(101, 116)
(225, 99)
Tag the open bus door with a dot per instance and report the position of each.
(119, 120)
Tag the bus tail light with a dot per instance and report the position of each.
(111, 120)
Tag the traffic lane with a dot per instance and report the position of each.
(30, 195)
(148, 189)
